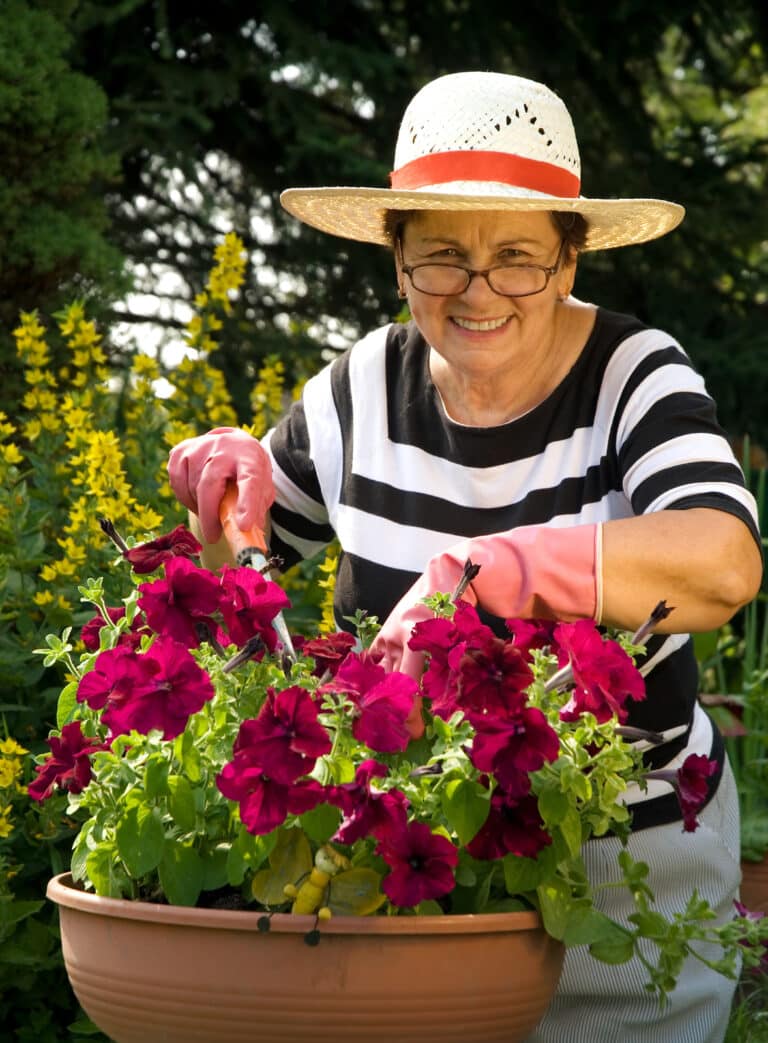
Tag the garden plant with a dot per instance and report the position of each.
(91, 443)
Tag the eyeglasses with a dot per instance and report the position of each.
(508, 280)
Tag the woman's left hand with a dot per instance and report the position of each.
(530, 572)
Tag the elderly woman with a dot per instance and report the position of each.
(573, 453)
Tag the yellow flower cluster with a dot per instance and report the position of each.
(201, 395)
(267, 395)
(224, 281)
(40, 401)
(11, 773)
(86, 462)
(10, 454)
(88, 371)
(328, 585)
(146, 423)
(228, 273)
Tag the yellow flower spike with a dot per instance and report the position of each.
(227, 276)
(73, 315)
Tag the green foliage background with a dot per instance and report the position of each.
(156, 125)
(135, 133)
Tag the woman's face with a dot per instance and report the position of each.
(479, 332)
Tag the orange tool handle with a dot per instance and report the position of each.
(239, 540)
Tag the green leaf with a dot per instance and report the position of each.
(181, 874)
(215, 868)
(12, 912)
(465, 805)
(553, 804)
(321, 822)
(140, 839)
(189, 755)
(105, 871)
(429, 907)
(570, 829)
(651, 924)
(588, 926)
(182, 802)
(84, 1027)
(556, 906)
(525, 874)
(247, 852)
(343, 769)
(80, 850)
(156, 775)
(66, 705)
(616, 948)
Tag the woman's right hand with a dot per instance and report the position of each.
(199, 469)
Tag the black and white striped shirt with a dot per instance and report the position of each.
(370, 455)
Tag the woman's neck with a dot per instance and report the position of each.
(498, 398)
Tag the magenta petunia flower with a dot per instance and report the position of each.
(115, 671)
(151, 555)
(92, 629)
(177, 605)
(492, 677)
(249, 603)
(690, 785)
(514, 826)
(68, 766)
(265, 803)
(328, 651)
(165, 687)
(510, 747)
(286, 738)
(382, 701)
(444, 641)
(422, 864)
(368, 812)
(528, 634)
(604, 675)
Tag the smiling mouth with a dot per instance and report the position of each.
(480, 326)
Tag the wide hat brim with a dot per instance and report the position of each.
(360, 213)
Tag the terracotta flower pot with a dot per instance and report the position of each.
(754, 885)
(147, 973)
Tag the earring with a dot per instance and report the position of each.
(401, 293)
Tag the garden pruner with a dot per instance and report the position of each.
(249, 547)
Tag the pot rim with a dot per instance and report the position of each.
(65, 892)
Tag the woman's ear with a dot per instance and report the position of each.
(400, 274)
(566, 277)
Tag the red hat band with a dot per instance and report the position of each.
(476, 165)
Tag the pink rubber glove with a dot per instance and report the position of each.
(199, 469)
(530, 572)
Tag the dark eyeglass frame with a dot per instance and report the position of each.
(549, 271)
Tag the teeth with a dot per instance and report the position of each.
(470, 324)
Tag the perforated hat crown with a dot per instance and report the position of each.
(483, 141)
(489, 134)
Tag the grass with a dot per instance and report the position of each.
(749, 1016)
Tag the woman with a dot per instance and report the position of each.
(571, 452)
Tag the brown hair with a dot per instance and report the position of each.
(571, 226)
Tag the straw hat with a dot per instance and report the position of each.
(483, 141)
